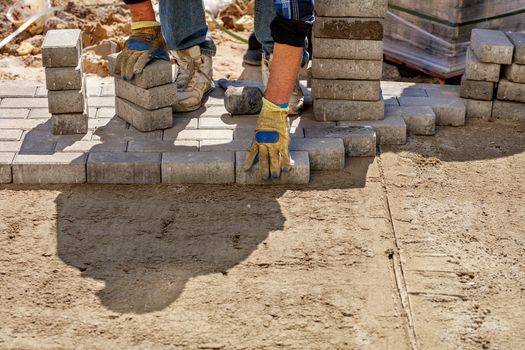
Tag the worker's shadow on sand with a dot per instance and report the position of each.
(146, 243)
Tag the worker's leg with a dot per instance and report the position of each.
(189, 40)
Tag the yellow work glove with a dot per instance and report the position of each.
(271, 142)
(143, 46)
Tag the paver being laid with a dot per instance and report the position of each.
(158, 72)
(324, 153)
(214, 167)
(358, 141)
(6, 160)
(299, 175)
(57, 168)
(390, 131)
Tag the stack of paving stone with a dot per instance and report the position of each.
(67, 102)
(347, 60)
(495, 67)
(145, 101)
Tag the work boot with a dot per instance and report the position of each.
(194, 78)
(296, 103)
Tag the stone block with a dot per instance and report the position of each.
(515, 72)
(351, 8)
(153, 98)
(477, 70)
(198, 167)
(348, 49)
(450, 111)
(57, 168)
(143, 119)
(6, 161)
(478, 90)
(518, 39)
(492, 46)
(163, 146)
(510, 91)
(390, 131)
(124, 168)
(10, 135)
(420, 120)
(337, 110)
(360, 90)
(324, 153)
(66, 101)
(508, 110)
(243, 100)
(300, 173)
(348, 28)
(64, 78)
(67, 124)
(478, 108)
(326, 68)
(358, 141)
(156, 73)
(224, 145)
(62, 48)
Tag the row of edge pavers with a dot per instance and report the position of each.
(67, 100)
(495, 68)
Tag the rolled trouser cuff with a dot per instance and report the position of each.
(131, 2)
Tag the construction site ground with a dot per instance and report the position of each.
(421, 247)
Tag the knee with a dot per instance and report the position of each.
(293, 21)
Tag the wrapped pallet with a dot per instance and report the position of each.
(433, 35)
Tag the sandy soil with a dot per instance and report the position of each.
(421, 248)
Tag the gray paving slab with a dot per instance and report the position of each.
(57, 168)
(214, 167)
(62, 48)
(24, 102)
(510, 91)
(477, 70)
(329, 68)
(348, 28)
(248, 133)
(518, 40)
(158, 72)
(185, 123)
(513, 72)
(508, 110)
(10, 135)
(86, 146)
(478, 108)
(64, 78)
(112, 132)
(337, 110)
(144, 119)
(360, 90)
(351, 8)
(227, 122)
(324, 153)
(390, 131)
(300, 173)
(492, 46)
(14, 113)
(478, 90)
(124, 168)
(358, 141)
(38, 142)
(153, 98)
(174, 134)
(163, 146)
(450, 111)
(6, 160)
(348, 49)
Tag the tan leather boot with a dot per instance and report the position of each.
(194, 78)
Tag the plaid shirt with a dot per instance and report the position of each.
(299, 10)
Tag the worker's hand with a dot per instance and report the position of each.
(143, 46)
(271, 142)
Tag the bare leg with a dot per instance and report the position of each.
(285, 68)
(142, 11)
